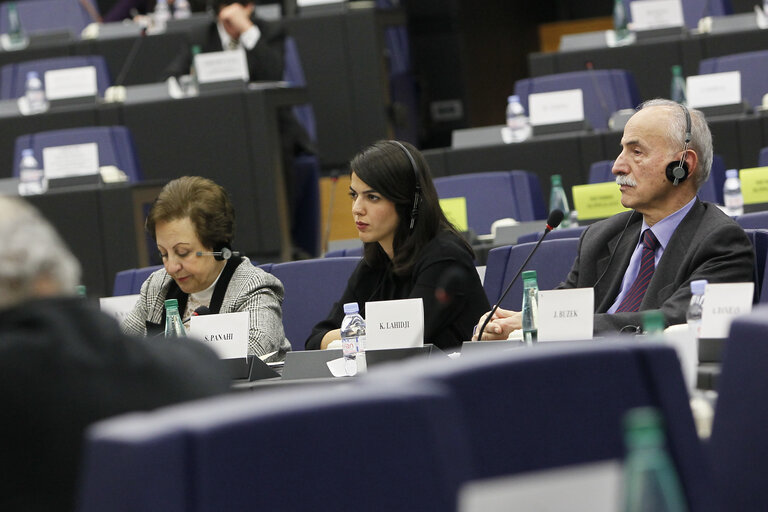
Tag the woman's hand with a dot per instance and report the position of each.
(500, 326)
(329, 337)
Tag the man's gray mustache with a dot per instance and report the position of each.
(625, 180)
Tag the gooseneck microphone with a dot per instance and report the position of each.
(554, 220)
(224, 254)
(202, 310)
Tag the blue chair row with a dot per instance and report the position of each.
(311, 289)
(403, 439)
(115, 146)
(13, 77)
(51, 15)
(495, 195)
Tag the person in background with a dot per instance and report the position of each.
(410, 248)
(193, 216)
(65, 365)
(646, 258)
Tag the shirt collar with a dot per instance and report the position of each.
(665, 228)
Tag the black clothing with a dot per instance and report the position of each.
(444, 263)
(65, 365)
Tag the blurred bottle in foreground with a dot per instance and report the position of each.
(558, 200)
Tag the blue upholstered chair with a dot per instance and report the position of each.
(495, 195)
(561, 404)
(604, 90)
(694, 10)
(13, 77)
(754, 220)
(115, 144)
(306, 168)
(739, 444)
(129, 281)
(553, 260)
(600, 172)
(311, 289)
(389, 449)
(51, 15)
(753, 67)
(762, 159)
(351, 251)
(759, 239)
(574, 232)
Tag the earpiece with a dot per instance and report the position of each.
(221, 252)
(678, 171)
(417, 193)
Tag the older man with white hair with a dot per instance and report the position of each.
(64, 365)
(646, 258)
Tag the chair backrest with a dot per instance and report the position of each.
(293, 73)
(604, 90)
(128, 282)
(574, 232)
(739, 444)
(694, 10)
(753, 67)
(311, 289)
(762, 159)
(13, 76)
(712, 189)
(563, 404)
(600, 172)
(115, 144)
(754, 220)
(553, 260)
(394, 449)
(350, 251)
(495, 195)
(50, 15)
(759, 239)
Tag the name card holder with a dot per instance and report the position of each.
(75, 181)
(716, 93)
(557, 112)
(72, 165)
(321, 6)
(71, 86)
(249, 369)
(221, 71)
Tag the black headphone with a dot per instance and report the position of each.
(417, 193)
(678, 171)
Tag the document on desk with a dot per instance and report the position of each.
(566, 314)
(595, 487)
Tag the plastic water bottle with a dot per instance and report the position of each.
(181, 9)
(35, 94)
(31, 177)
(696, 307)
(734, 201)
(174, 328)
(161, 15)
(620, 21)
(353, 339)
(530, 307)
(558, 200)
(650, 480)
(518, 127)
(653, 323)
(677, 87)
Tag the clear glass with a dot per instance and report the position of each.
(530, 310)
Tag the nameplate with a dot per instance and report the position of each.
(310, 3)
(713, 89)
(394, 324)
(118, 307)
(566, 314)
(597, 200)
(653, 14)
(455, 210)
(722, 303)
(71, 83)
(226, 334)
(556, 107)
(223, 66)
(594, 486)
(72, 160)
(754, 185)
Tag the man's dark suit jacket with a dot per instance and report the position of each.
(706, 245)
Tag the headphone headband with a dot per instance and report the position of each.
(417, 193)
(678, 171)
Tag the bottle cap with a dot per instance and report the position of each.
(171, 303)
(698, 287)
(513, 99)
(32, 74)
(80, 290)
(27, 152)
(351, 308)
(529, 274)
(643, 426)
(557, 180)
(195, 49)
(677, 70)
(732, 173)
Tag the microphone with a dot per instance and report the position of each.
(554, 220)
(128, 64)
(202, 310)
(224, 254)
(450, 284)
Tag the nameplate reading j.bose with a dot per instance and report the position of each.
(566, 314)
(394, 324)
(227, 334)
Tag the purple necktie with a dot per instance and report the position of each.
(634, 296)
